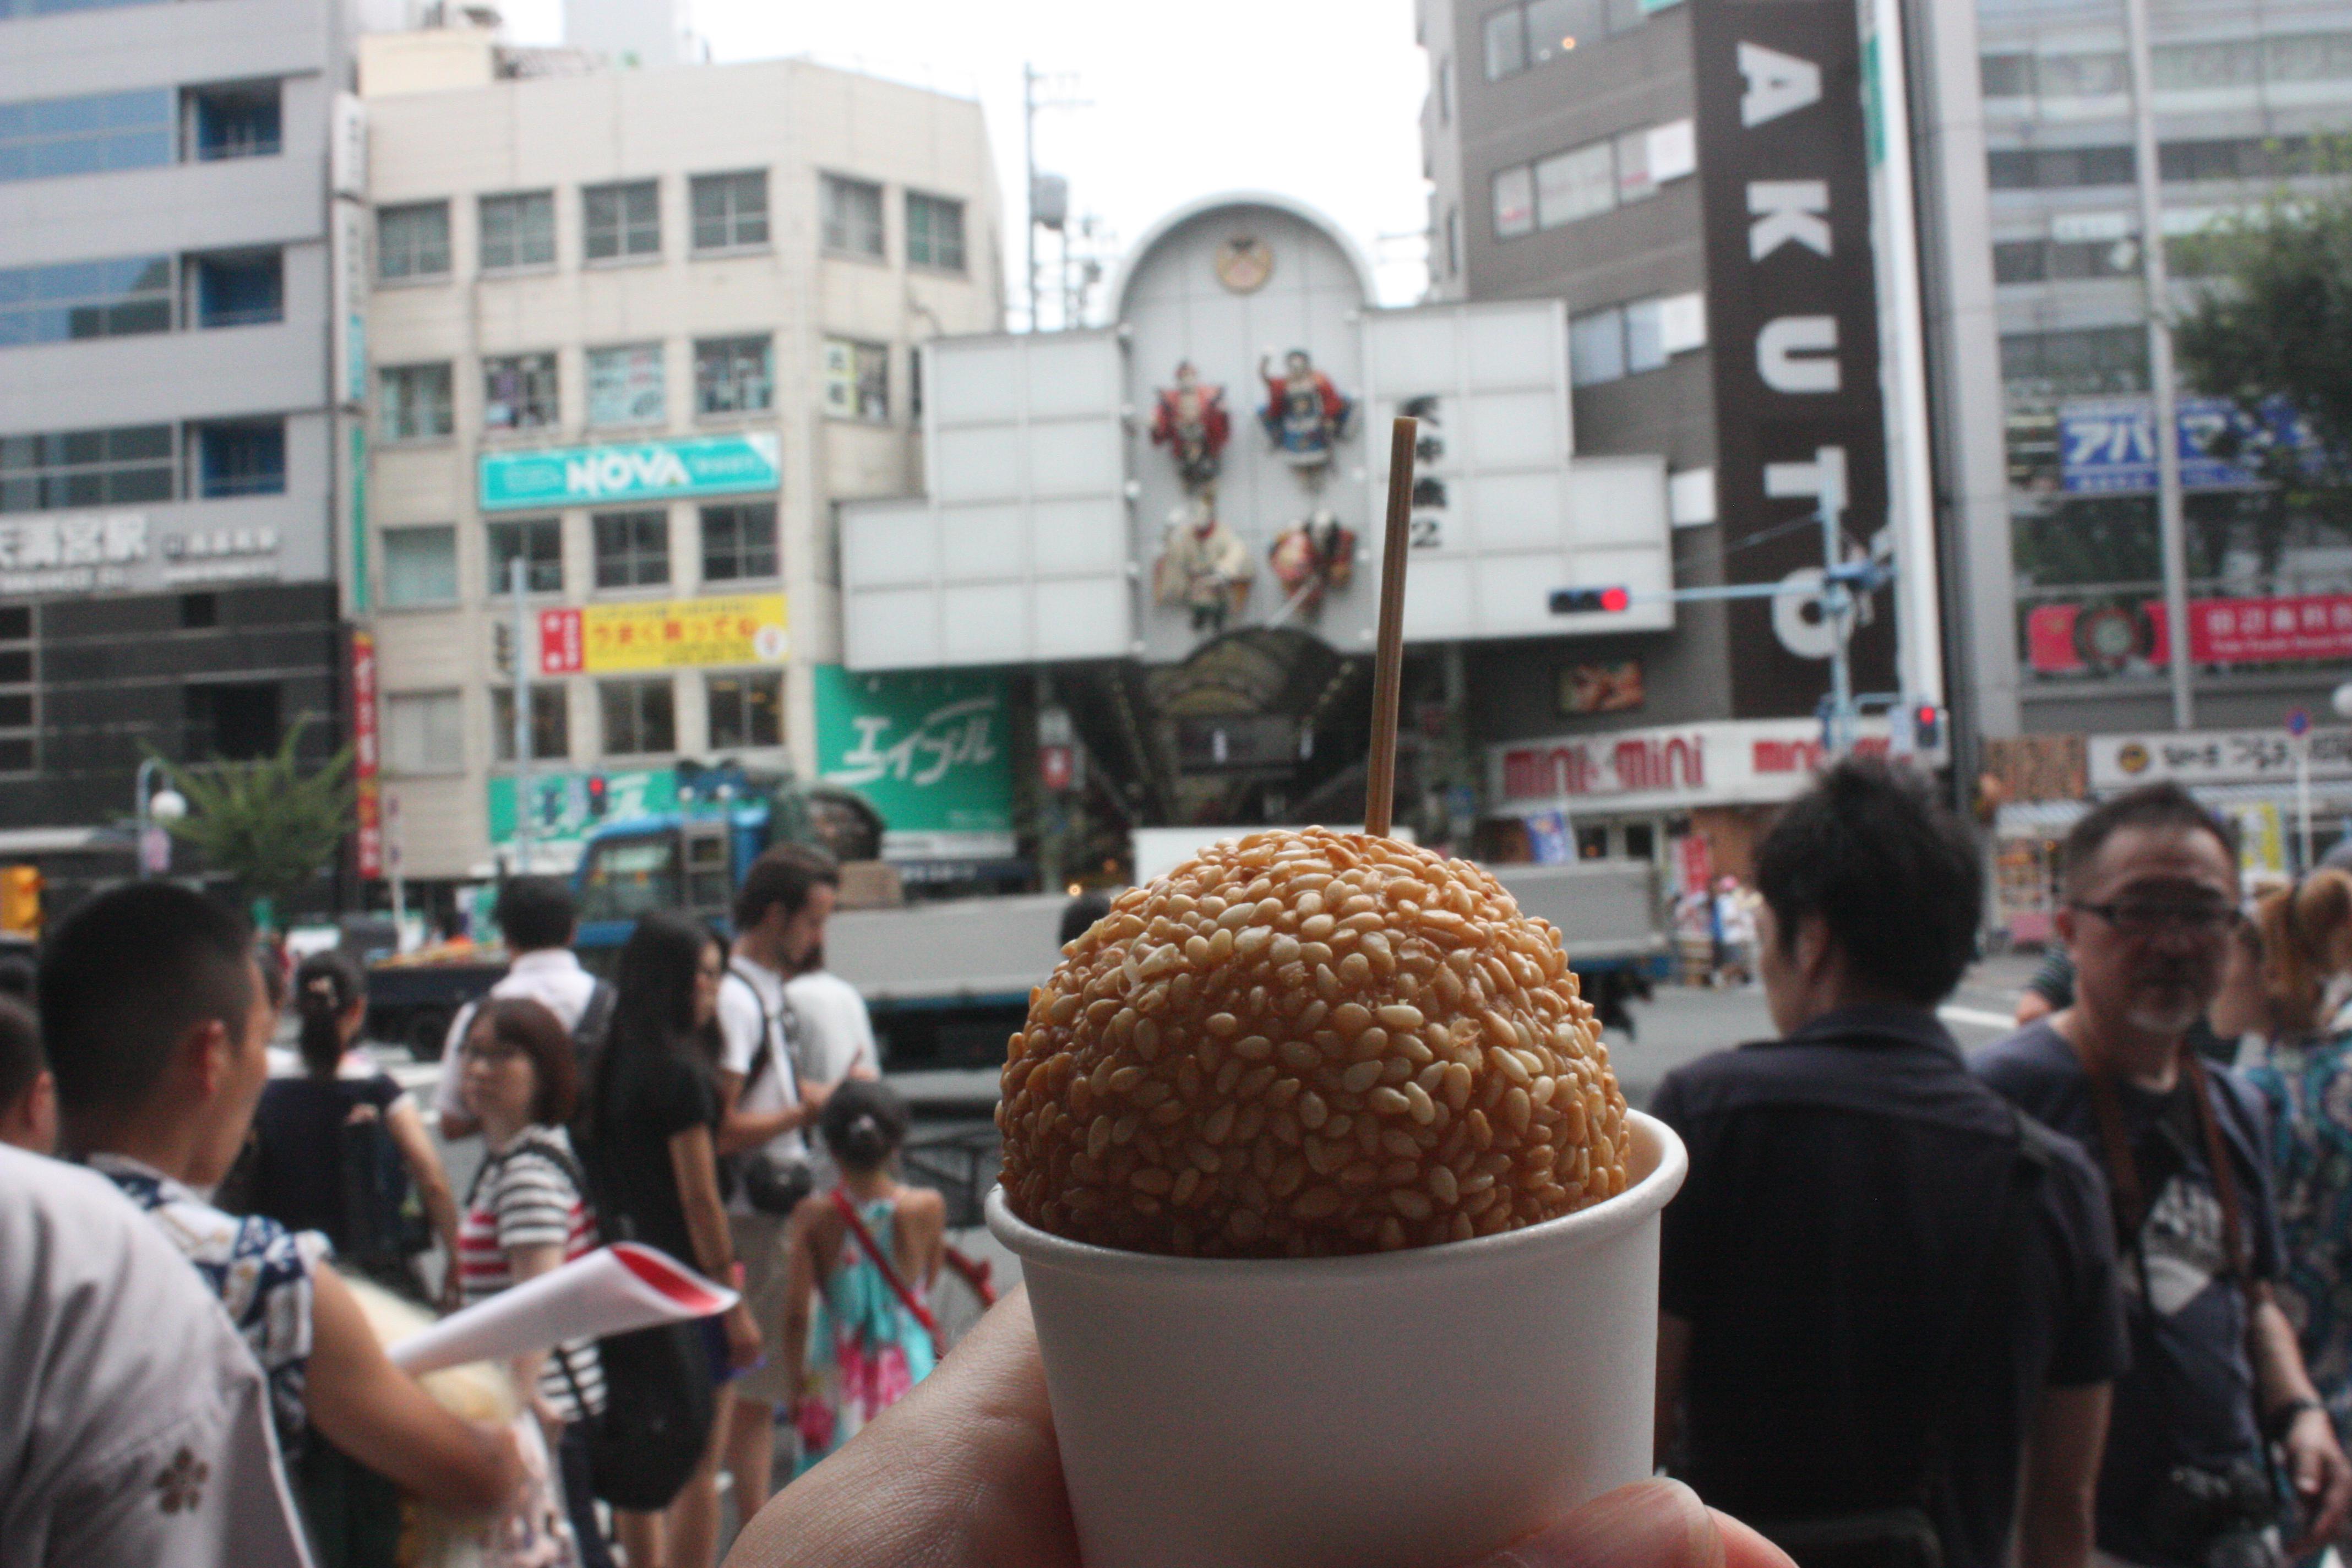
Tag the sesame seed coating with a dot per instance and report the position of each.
(1304, 1044)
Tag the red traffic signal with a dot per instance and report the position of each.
(1928, 727)
(596, 797)
(1613, 600)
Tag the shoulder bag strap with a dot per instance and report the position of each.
(906, 1297)
(765, 1057)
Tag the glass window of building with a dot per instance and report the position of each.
(856, 380)
(1575, 184)
(412, 241)
(1624, 15)
(1515, 202)
(624, 385)
(414, 403)
(232, 720)
(746, 710)
(1507, 43)
(1634, 179)
(551, 724)
(2006, 75)
(1596, 347)
(621, 220)
(86, 467)
(420, 565)
(233, 121)
(239, 457)
(731, 211)
(1645, 341)
(934, 232)
(236, 289)
(639, 716)
(632, 549)
(852, 216)
(739, 540)
(72, 300)
(1557, 27)
(518, 231)
(425, 733)
(518, 393)
(46, 137)
(2102, 74)
(2058, 168)
(19, 705)
(734, 375)
(538, 541)
(2201, 68)
(2304, 56)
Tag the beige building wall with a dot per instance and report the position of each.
(799, 123)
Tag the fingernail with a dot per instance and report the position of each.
(1649, 1524)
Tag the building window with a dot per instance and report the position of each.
(1575, 184)
(1536, 32)
(239, 122)
(1515, 202)
(1596, 347)
(86, 468)
(2044, 260)
(539, 541)
(518, 231)
(18, 706)
(632, 549)
(2242, 158)
(232, 721)
(622, 220)
(551, 724)
(1507, 43)
(2082, 364)
(2006, 75)
(733, 375)
(852, 217)
(46, 137)
(1642, 335)
(412, 241)
(239, 289)
(414, 402)
(240, 458)
(857, 381)
(624, 385)
(639, 716)
(2055, 168)
(74, 300)
(420, 566)
(425, 733)
(518, 393)
(731, 211)
(746, 710)
(739, 540)
(1645, 343)
(1555, 28)
(934, 232)
(2304, 56)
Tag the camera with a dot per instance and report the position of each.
(2226, 1518)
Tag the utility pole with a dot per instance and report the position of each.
(524, 649)
(1048, 195)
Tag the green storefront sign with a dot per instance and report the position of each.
(560, 803)
(929, 750)
(634, 470)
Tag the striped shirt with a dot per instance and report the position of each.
(525, 1195)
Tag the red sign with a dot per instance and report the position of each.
(2061, 638)
(1054, 767)
(1697, 864)
(561, 645)
(364, 763)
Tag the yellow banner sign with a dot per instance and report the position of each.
(673, 634)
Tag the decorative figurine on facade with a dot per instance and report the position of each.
(1202, 565)
(1191, 419)
(1311, 559)
(1305, 414)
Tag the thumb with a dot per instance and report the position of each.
(1649, 1524)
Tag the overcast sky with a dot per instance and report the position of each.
(1319, 100)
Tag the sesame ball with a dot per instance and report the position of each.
(1308, 1043)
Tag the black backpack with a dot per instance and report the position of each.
(385, 1222)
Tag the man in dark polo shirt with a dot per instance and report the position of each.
(1885, 1296)
(2151, 891)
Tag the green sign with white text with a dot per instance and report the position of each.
(561, 803)
(931, 750)
(634, 470)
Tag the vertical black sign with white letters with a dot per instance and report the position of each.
(1792, 316)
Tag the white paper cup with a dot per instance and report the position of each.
(1412, 1409)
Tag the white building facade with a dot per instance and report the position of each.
(639, 330)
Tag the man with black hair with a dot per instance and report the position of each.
(1885, 1295)
(2151, 885)
(28, 1091)
(537, 919)
(157, 1027)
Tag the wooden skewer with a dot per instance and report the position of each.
(1388, 659)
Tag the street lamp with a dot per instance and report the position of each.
(155, 807)
(2342, 700)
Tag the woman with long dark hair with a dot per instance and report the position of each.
(342, 1149)
(654, 1112)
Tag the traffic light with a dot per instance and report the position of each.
(1927, 728)
(20, 899)
(1612, 600)
(502, 649)
(596, 797)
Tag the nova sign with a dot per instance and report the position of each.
(638, 470)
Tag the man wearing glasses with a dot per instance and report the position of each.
(2215, 1423)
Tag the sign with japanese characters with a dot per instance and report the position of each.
(2107, 445)
(81, 552)
(2214, 757)
(609, 639)
(928, 749)
(366, 775)
(562, 804)
(2062, 639)
(637, 471)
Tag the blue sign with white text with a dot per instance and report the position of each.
(635, 470)
(2108, 447)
